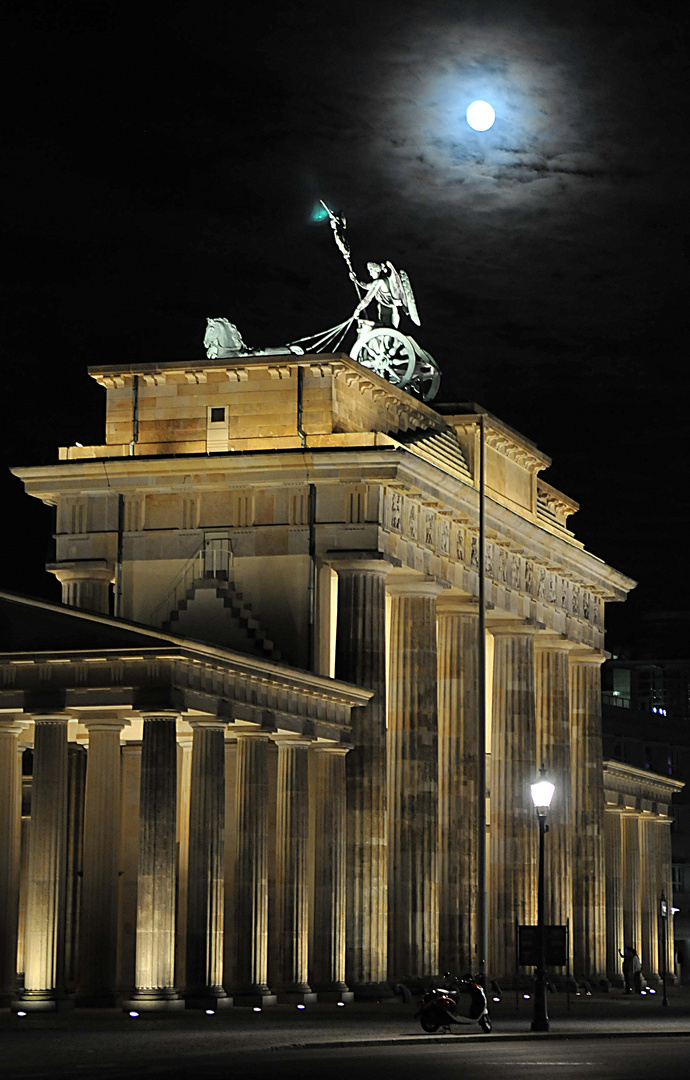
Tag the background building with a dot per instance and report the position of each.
(646, 709)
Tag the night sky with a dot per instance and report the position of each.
(161, 162)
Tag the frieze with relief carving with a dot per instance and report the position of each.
(444, 537)
(424, 526)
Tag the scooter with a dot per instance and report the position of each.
(440, 1007)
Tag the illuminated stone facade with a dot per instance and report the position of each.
(316, 762)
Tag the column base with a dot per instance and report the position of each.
(40, 1002)
(257, 1000)
(216, 1002)
(297, 997)
(154, 1001)
(372, 991)
(345, 996)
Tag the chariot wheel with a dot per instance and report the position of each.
(426, 378)
(388, 353)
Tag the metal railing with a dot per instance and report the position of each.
(212, 560)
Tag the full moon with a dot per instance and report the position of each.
(480, 115)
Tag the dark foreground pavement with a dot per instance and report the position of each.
(107, 1043)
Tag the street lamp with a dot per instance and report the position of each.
(542, 794)
(663, 915)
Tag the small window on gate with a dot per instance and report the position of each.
(217, 415)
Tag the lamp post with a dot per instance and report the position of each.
(663, 915)
(542, 794)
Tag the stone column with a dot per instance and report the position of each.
(184, 786)
(76, 790)
(129, 864)
(205, 906)
(155, 948)
(360, 657)
(45, 908)
(98, 923)
(413, 780)
(10, 834)
(615, 939)
(632, 909)
(458, 792)
(85, 584)
(514, 828)
(587, 785)
(292, 868)
(330, 887)
(229, 975)
(650, 888)
(553, 751)
(251, 871)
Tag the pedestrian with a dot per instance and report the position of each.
(628, 967)
(637, 972)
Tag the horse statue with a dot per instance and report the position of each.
(223, 340)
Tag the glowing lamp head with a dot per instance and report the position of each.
(480, 116)
(542, 793)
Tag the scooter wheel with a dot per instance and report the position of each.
(485, 1024)
(431, 1020)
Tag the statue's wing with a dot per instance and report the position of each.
(408, 298)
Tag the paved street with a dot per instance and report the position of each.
(607, 1035)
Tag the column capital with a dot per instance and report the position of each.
(547, 640)
(331, 748)
(582, 655)
(414, 585)
(80, 570)
(12, 725)
(450, 604)
(160, 714)
(365, 562)
(51, 718)
(104, 722)
(252, 733)
(132, 745)
(287, 738)
(213, 722)
(513, 627)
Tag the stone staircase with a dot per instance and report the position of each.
(248, 635)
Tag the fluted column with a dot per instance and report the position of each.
(45, 914)
(251, 870)
(85, 585)
(10, 816)
(553, 751)
(184, 786)
(98, 923)
(129, 864)
(360, 657)
(650, 888)
(292, 871)
(155, 949)
(330, 888)
(413, 780)
(514, 829)
(587, 785)
(458, 793)
(76, 791)
(205, 907)
(615, 939)
(632, 907)
(229, 936)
